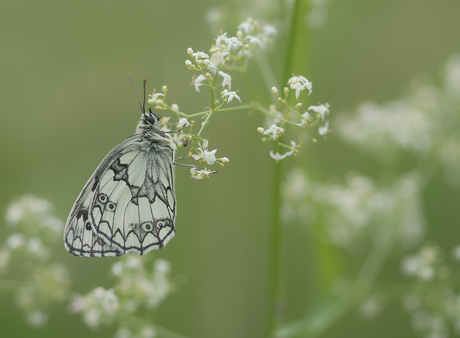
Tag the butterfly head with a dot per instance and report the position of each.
(151, 119)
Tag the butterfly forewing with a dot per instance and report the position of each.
(128, 205)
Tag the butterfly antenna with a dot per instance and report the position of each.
(138, 99)
(143, 106)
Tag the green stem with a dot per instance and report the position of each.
(315, 325)
(375, 259)
(295, 61)
(275, 256)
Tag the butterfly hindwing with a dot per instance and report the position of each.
(134, 205)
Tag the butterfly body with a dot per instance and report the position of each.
(128, 205)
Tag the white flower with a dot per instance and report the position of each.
(275, 131)
(164, 122)
(200, 174)
(278, 157)
(15, 240)
(200, 55)
(37, 318)
(198, 83)
(324, 129)
(322, 110)
(209, 157)
(227, 79)
(217, 59)
(155, 98)
(246, 26)
(304, 119)
(230, 95)
(183, 123)
(148, 332)
(221, 39)
(299, 83)
(269, 30)
(204, 153)
(253, 40)
(233, 42)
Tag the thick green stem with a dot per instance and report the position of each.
(295, 60)
(275, 256)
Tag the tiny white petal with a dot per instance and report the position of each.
(324, 129)
(227, 79)
(198, 81)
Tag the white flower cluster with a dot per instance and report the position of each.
(277, 121)
(433, 301)
(353, 211)
(34, 216)
(98, 307)
(138, 287)
(135, 287)
(46, 283)
(424, 121)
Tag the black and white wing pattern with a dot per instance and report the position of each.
(128, 205)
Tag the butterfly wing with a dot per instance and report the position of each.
(128, 204)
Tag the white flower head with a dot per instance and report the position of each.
(269, 30)
(324, 129)
(227, 79)
(209, 156)
(279, 157)
(200, 56)
(304, 119)
(197, 83)
(221, 40)
(155, 98)
(246, 27)
(205, 155)
(274, 131)
(254, 40)
(322, 110)
(217, 60)
(230, 95)
(299, 83)
(200, 174)
(183, 123)
(233, 42)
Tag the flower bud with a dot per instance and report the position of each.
(164, 90)
(225, 160)
(175, 107)
(188, 63)
(286, 91)
(260, 130)
(189, 51)
(275, 91)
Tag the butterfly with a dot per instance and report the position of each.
(128, 205)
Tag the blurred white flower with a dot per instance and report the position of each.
(198, 82)
(299, 83)
(322, 110)
(274, 131)
(37, 318)
(230, 95)
(100, 306)
(277, 156)
(155, 98)
(324, 129)
(183, 123)
(227, 79)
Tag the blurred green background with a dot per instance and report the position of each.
(66, 101)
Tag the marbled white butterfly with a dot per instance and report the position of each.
(128, 205)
